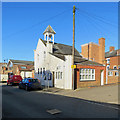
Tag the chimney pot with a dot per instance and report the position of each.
(111, 48)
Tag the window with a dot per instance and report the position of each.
(108, 66)
(56, 75)
(38, 70)
(108, 60)
(23, 67)
(116, 74)
(61, 75)
(87, 74)
(114, 67)
(110, 73)
(43, 70)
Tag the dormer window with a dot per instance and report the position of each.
(23, 67)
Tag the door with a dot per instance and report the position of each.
(75, 78)
(102, 77)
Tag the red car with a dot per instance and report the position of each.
(14, 79)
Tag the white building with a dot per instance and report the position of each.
(52, 61)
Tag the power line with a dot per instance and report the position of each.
(101, 19)
(34, 25)
(95, 24)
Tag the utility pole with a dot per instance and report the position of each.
(73, 49)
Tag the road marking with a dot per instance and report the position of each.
(53, 111)
(100, 104)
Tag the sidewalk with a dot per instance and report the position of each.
(107, 94)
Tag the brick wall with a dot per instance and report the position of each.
(94, 51)
(84, 51)
(96, 82)
(114, 61)
(101, 50)
(113, 79)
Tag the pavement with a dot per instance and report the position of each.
(107, 94)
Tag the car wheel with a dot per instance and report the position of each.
(19, 87)
(26, 88)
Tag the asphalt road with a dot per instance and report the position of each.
(17, 103)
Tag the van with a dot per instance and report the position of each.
(14, 79)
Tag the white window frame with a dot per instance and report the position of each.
(108, 66)
(117, 73)
(111, 73)
(59, 75)
(108, 60)
(114, 66)
(87, 72)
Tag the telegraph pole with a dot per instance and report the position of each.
(73, 49)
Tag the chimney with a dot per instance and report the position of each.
(111, 48)
(102, 50)
(118, 52)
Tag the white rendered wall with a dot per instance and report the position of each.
(52, 63)
(68, 72)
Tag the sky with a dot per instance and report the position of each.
(23, 23)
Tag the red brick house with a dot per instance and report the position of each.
(111, 59)
(20, 67)
(113, 65)
(89, 73)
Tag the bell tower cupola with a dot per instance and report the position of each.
(49, 34)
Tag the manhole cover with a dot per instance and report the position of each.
(53, 111)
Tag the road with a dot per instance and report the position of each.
(17, 103)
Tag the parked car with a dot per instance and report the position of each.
(14, 79)
(29, 84)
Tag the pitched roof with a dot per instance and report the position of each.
(62, 57)
(79, 60)
(49, 29)
(62, 49)
(22, 62)
(83, 61)
(111, 53)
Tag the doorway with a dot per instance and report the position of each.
(102, 77)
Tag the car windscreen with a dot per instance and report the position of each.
(33, 80)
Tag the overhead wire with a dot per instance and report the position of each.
(101, 19)
(95, 24)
